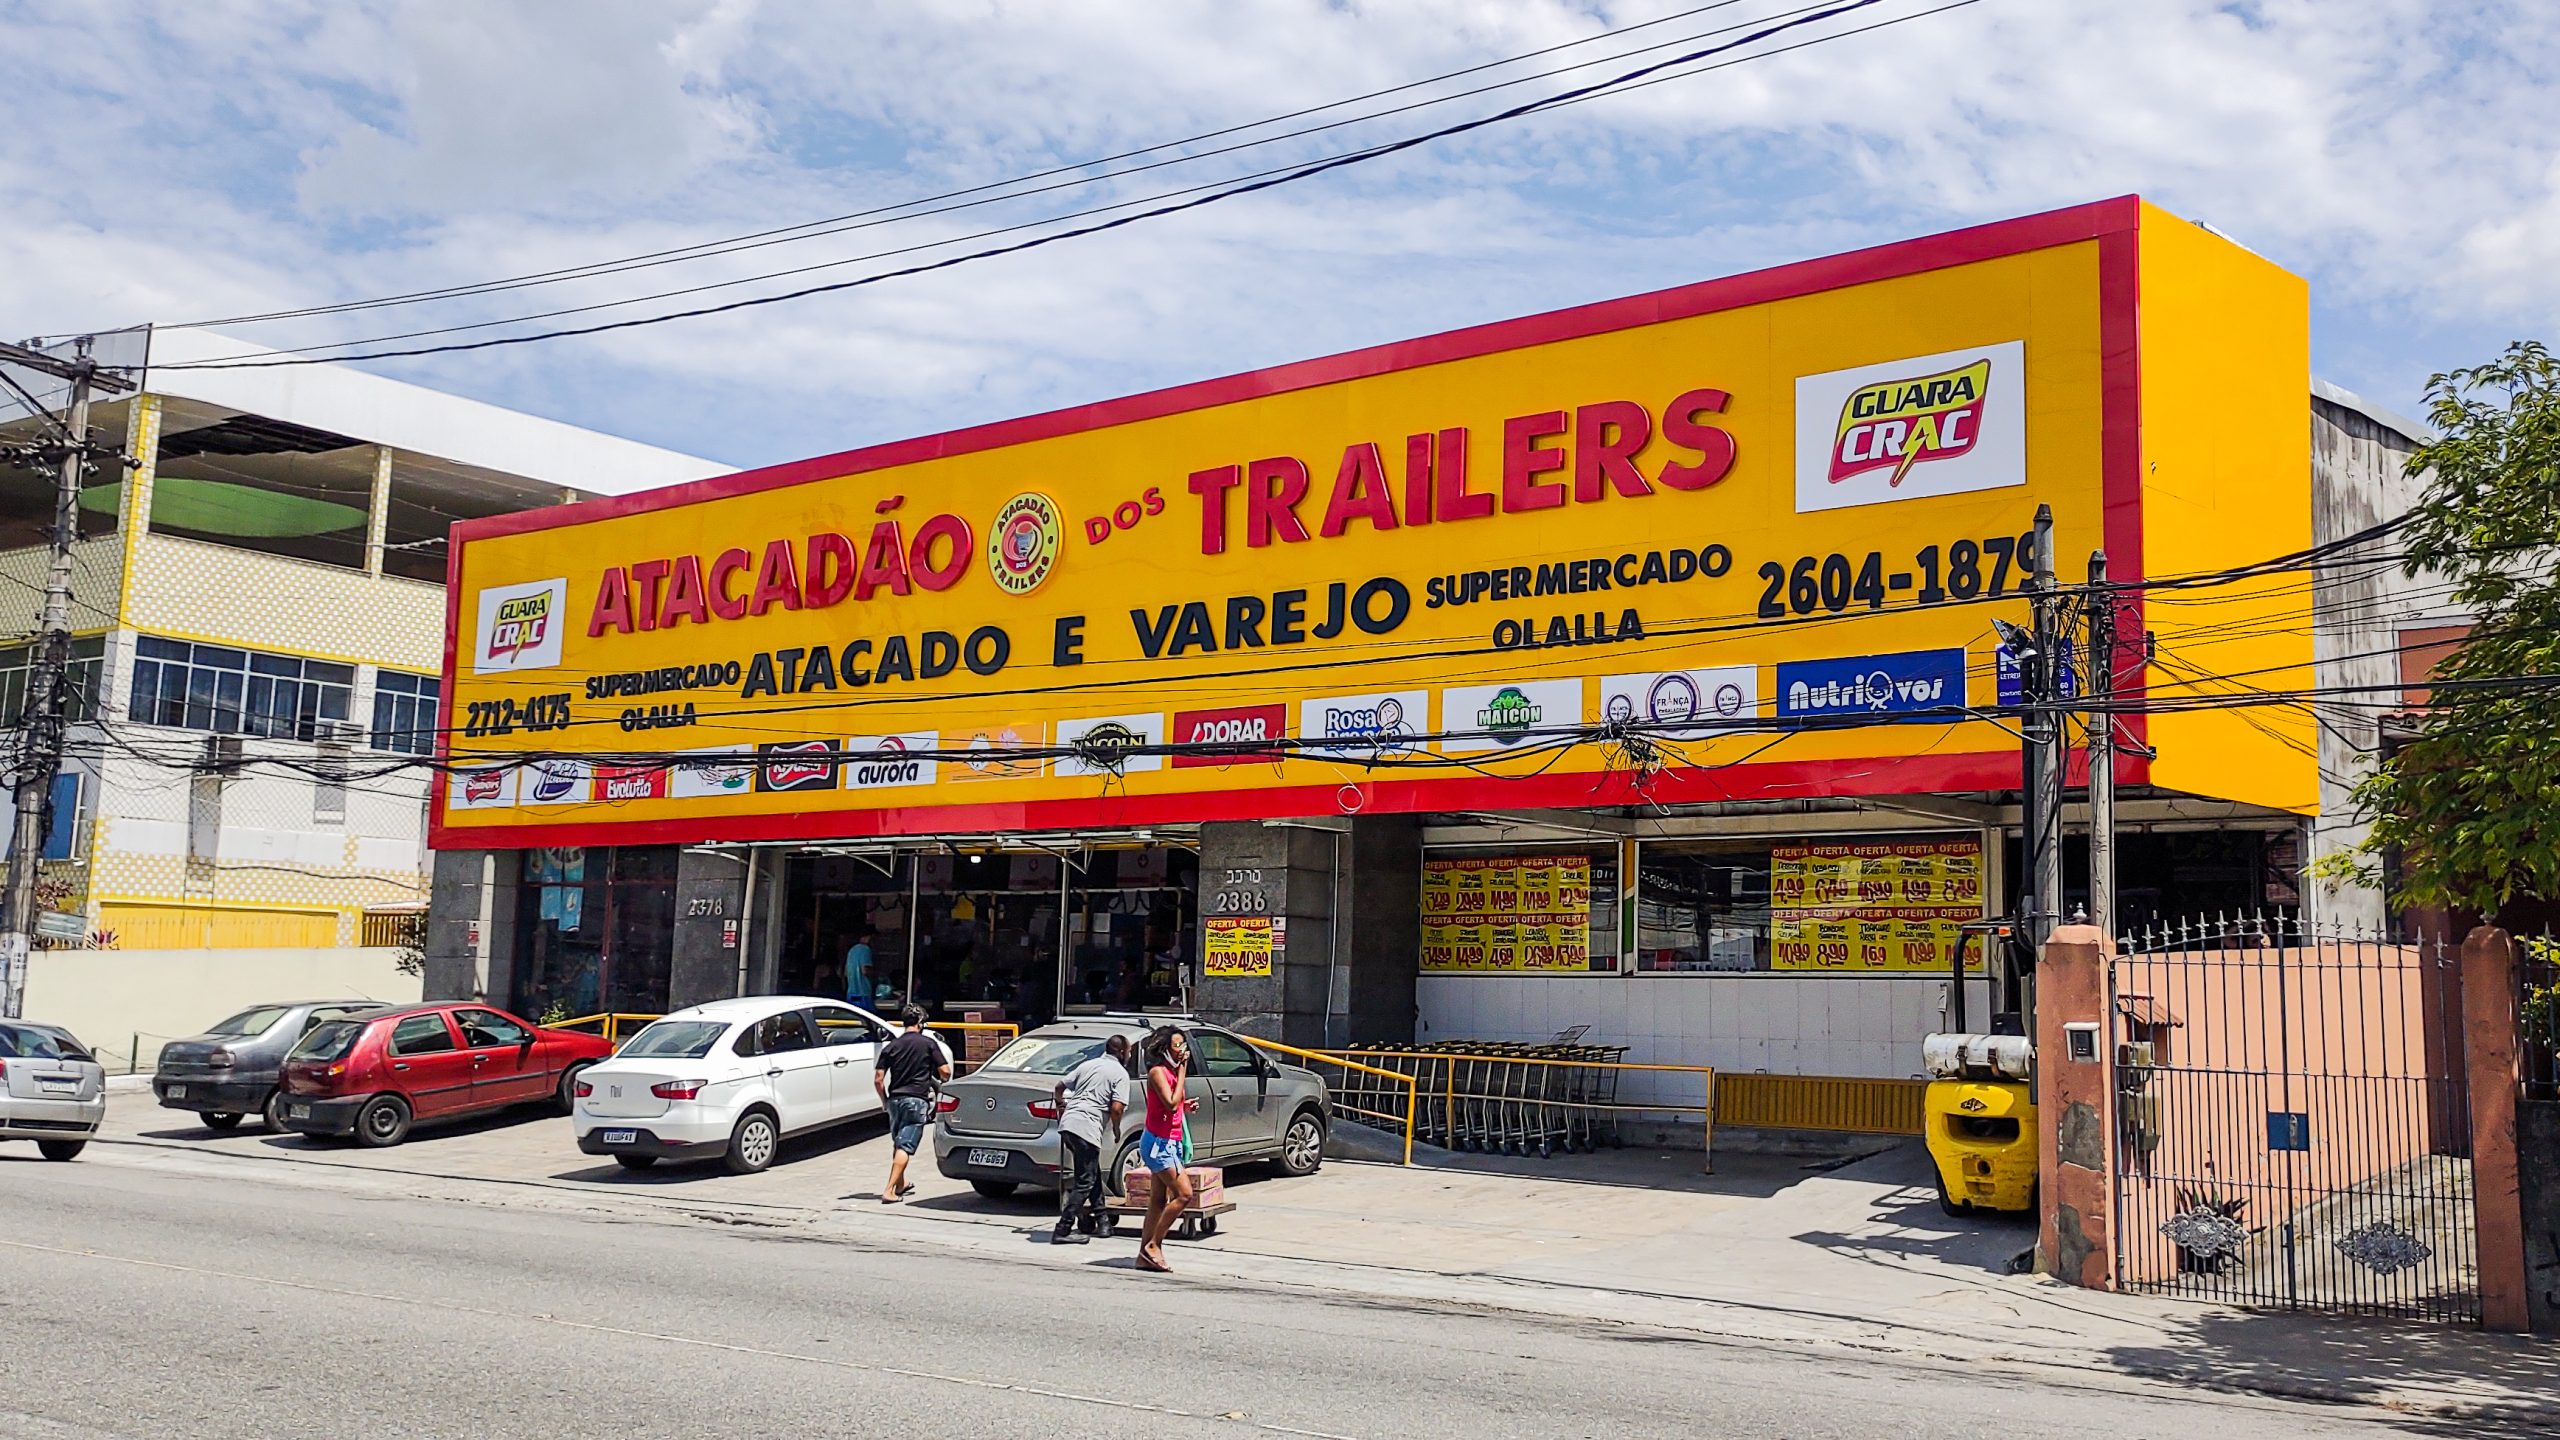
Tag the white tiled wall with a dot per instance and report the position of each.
(1850, 1025)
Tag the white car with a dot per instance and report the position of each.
(732, 1080)
(52, 1091)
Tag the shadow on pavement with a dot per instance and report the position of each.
(796, 1150)
(2333, 1357)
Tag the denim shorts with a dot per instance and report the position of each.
(1159, 1154)
(906, 1121)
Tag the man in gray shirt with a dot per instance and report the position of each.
(1091, 1101)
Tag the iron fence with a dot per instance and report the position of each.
(2538, 1008)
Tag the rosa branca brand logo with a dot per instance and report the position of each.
(1357, 725)
(520, 626)
(1938, 424)
(1497, 717)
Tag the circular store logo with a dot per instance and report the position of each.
(1673, 699)
(1022, 546)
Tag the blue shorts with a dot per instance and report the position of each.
(906, 1121)
(1159, 1155)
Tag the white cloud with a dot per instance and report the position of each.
(248, 156)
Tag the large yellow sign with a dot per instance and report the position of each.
(1725, 541)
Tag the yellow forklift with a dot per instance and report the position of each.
(1980, 1106)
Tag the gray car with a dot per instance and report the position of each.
(986, 1130)
(231, 1070)
(52, 1090)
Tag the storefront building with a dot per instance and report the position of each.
(1630, 667)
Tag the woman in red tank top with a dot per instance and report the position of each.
(1168, 1059)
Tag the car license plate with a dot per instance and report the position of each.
(622, 1137)
(59, 1082)
(177, 1092)
(991, 1159)
(297, 1112)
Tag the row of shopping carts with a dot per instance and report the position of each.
(1499, 1097)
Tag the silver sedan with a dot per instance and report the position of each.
(52, 1090)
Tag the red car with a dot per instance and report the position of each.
(373, 1076)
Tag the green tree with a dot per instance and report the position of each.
(2472, 805)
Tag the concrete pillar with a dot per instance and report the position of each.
(1350, 897)
(377, 521)
(471, 924)
(2490, 1036)
(2075, 1110)
(710, 945)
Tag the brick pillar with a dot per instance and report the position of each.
(2075, 1111)
(2490, 1037)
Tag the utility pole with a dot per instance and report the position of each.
(40, 728)
(2039, 676)
(2100, 689)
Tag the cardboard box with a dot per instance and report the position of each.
(1208, 1185)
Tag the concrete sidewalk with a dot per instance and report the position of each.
(1768, 1249)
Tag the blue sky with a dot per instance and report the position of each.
(233, 158)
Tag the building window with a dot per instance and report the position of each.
(238, 692)
(595, 931)
(88, 661)
(404, 712)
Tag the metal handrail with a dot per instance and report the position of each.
(609, 1024)
(1412, 1100)
(1499, 1093)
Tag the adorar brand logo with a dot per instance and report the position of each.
(1022, 546)
(796, 765)
(1930, 425)
(886, 762)
(519, 626)
(1901, 684)
(1246, 728)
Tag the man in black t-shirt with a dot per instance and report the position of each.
(909, 1070)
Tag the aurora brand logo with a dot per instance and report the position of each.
(888, 762)
(1683, 702)
(1246, 728)
(796, 765)
(1900, 684)
(1938, 424)
(1498, 717)
(1108, 744)
(631, 782)
(519, 626)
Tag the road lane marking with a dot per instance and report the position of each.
(903, 1372)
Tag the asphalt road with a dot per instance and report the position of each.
(136, 1302)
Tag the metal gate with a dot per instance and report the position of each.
(2293, 1127)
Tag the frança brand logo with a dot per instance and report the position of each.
(1682, 702)
(1929, 425)
(520, 626)
(1022, 546)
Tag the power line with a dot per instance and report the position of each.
(1627, 80)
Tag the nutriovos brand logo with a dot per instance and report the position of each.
(887, 762)
(1930, 425)
(520, 626)
(1683, 702)
(1022, 546)
(796, 765)
(1914, 680)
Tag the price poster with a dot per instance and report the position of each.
(1507, 914)
(1239, 947)
(1893, 907)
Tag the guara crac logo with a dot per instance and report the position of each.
(520, 626)
(1022, 546)
(1930, 425)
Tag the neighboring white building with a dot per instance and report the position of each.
(266, 582)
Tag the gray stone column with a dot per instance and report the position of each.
(471, 924)
(1350, 897)
(710, 933)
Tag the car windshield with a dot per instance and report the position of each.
(28, 1042)
(1046, 1054)
(675, 1040)
(328, 1040)
(250, 1022)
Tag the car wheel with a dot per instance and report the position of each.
(218, 1119)
(383, 1121)
(275, 1111)
(62, 1149)
(1120, 1165)
(1302, 1144)
(635, 1162)
(753, 1143)
(565, 1097)
(994, 1189)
